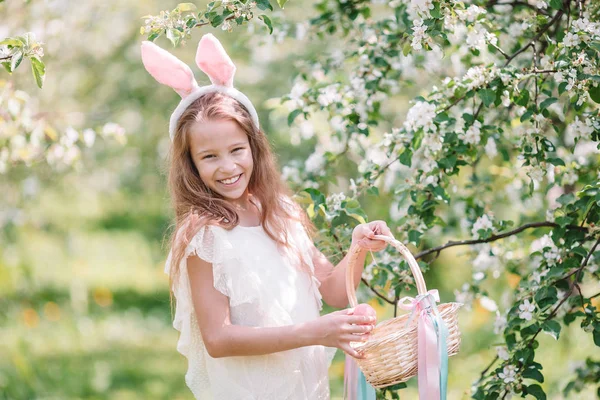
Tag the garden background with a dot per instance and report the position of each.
(363, 103)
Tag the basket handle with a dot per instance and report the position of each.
(354, 252)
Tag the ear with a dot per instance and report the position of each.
(214, 61)
(168, 69)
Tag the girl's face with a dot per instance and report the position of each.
(221, 152)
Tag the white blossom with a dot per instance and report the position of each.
(418, 34)
(536, 173)
(490, 148)
(296, 94)
(473, 134)
(484, 222)
(315, 162)
(334, 201)
(500, 323)
(329, 95)
(502, 352)
(488, 303)
(464, 296)
(577, 130)
(421, 115)
(571, 40)
(546, 246)
(89, 137)
(526, 310)
(508, 374)
(470, 14)
(541, 4)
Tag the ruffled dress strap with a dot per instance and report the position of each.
(211, 245)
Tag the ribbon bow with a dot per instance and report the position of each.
(432, 346)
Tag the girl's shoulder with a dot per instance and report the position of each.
(212, 243)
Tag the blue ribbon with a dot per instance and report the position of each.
(441, 331)
(365, 390)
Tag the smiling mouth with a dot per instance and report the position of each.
(230, 181)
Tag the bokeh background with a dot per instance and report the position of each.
(84, 302)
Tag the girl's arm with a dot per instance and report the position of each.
(333, 279)
(223, 339)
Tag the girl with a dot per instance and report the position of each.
(247, 279)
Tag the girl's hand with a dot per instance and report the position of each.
(339, 328)
(363, 233)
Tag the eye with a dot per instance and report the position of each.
(208, 156)
(238, 148)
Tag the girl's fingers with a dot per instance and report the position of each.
(350, 351)
(361, 319)
(356, 338)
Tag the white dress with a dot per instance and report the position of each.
(265, 289)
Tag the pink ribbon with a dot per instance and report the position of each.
(350, 379)
(428, 353)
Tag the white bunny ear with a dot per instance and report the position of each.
(213, 60)
(168, 69)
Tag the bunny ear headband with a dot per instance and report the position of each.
(212, 60)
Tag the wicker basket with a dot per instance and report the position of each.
(391, 352)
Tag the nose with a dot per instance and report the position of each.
(228, 165)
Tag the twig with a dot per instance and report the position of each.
(496, 237)
(486, 370)
(363, 280)
(199, 24)
(555, 310)
(521, 3)
(536, 37)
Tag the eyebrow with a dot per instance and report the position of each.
(210, 150)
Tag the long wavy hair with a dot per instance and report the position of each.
(196, 205)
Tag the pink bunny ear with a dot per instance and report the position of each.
(168, 69)
(214, 61)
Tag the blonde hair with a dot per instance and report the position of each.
(196, 205)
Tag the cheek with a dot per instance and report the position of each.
(203, 172)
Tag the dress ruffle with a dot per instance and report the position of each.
(243, 281)
(211, 246)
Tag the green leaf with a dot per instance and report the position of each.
(11, 42)
(292, 116)
(555, 161)
(595, 46)
(527, 115)
(317, 197)
(436, 13)
(267, 22)
(174, 36)
(556, 4)
(413, 236)
(184, 7)
(281, 3)
(532, 373)
(549, 101)
(537, 391)
(406, 49)
(264, 5)
(6, 66)
(523, 98)
(406, 157)
(594, 93)
(487, 96)
(373, 190)
(596, 336)
(552, 328)
(39, 71)
(565, 198)
(17, 57)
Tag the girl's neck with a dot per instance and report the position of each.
(247, 211)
